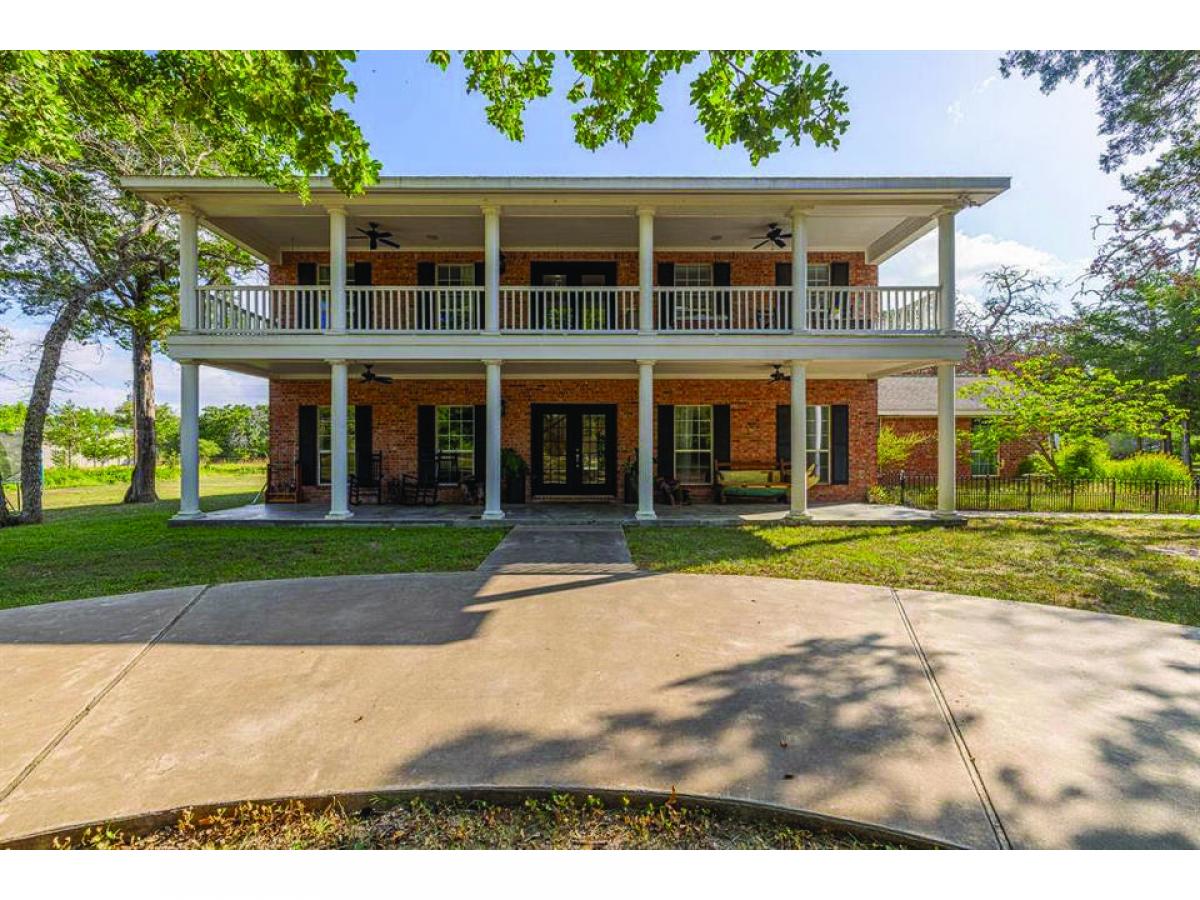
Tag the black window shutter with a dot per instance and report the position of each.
(479, 313)
(839, 445)
(783, 433)
(362, 274)
(363, 309)
(426, 273)
(666, 309)
(480, 442)
(783, 274)
(306, 273)
(426, 444)
(666, 441)
(308, 445)
(362, 446)
(721, 434)
(721, 274)
(839, 274)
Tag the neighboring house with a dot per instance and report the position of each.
(908, 405)
(574, 320)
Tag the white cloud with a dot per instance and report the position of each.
(973, 256)
(99, 374)
(985, 84)
(955, 112)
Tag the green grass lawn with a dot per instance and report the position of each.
(92, 545)
(1096, 565)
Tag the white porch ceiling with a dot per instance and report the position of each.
(878, 216)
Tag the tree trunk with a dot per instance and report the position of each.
(1185, 443)
(145, 449)
(39, 405)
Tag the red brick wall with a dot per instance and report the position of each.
(924, 457)
(752, 415)
(400, 268)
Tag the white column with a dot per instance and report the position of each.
(339, 508)
(799, 490)
(188, 319)
(946, 270)
(946, 450)
(645, 510)
(645, 270)
(799, 272)
(189, 440)
(491, 268)
(337, 268)
(491, 506)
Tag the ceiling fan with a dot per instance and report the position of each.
(777, 374)
(375, 236)
(774, 235)
(369, 376)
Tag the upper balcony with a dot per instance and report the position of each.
(524, 265)
(397, 309)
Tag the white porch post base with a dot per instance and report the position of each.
(491, 484)
(946, 437)
(798, 495)
(645, 510)
(189, 441)
(339, 488)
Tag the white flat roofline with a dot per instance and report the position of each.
(602, 184)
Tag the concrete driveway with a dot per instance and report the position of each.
(977, 722)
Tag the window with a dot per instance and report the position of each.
(455, 443)
(455, 274)
(693, 275)
(818, 275)
(693, 444)
(985, 460)
(819, 441)
(323, 274)
(325, 443)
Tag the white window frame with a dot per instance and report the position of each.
(454, 275)
(324, 278)
(819, 275)
(325, 443)
(442, 442)
(699, 439)
(819, 432)
(693, 275)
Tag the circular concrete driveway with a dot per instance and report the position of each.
(858, 702)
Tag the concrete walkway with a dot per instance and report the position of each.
(977, 722)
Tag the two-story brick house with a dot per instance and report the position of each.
(585, 323)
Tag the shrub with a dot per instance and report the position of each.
(1149, 467)
(1083, 458)
(893, 451)
(877, 493)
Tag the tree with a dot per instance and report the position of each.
(64, 432)
(166, 432)
(1013, 320)
(755, 98)
(12, 417)
(893, 451)
(1149, 104)
(74, 122)
(99, 442)
(1151, 330)
(1040, 398)
(207, 449)
(240, 430)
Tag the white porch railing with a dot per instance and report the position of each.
(414, 309)
(261, 309)
(879, 309)
(568, 310)
(722, 309)
(270, 309)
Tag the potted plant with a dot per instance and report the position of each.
(514, 470)
(629, 470)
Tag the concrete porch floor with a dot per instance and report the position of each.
(567, 514)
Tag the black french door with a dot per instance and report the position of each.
(574, 448)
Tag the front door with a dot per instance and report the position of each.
(574, 449)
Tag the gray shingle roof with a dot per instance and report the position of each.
(916, 395)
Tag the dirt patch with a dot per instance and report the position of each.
(1185, 550)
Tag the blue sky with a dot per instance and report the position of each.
(910, 113)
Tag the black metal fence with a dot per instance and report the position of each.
(1044, 493)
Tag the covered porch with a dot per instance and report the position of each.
(568, 514)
